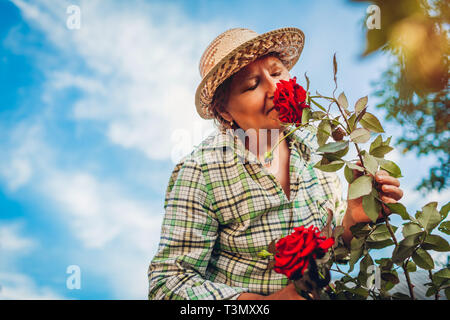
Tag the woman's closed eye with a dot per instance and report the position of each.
(277, 74)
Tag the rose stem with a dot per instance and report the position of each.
(292, 131)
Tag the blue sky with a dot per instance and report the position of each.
(91, 126)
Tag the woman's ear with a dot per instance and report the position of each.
(225, 115)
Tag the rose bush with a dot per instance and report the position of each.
(298, 256)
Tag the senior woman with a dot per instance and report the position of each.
(224, 203)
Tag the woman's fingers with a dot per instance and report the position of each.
(388, 186)
(391, 192)
(384, 178)
(387, 199)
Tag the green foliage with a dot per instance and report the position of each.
(413, 89)
(370, 122)
(360, 187)
(411, 251)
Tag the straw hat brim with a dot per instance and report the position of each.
(288, 42)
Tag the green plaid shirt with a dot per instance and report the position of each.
(222, 207)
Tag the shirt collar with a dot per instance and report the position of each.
(301, 140)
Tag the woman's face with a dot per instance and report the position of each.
(250, 100)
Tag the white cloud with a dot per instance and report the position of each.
(418, 200)
(16, 286)
(21, 151)
(99, 212)
(13, 246)
(142, 70)
(11, 241)
(137, 74)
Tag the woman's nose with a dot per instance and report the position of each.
(271, 86)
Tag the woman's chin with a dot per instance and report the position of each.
(275, 123)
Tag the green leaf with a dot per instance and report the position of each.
(334, 66)
(443, 274)
(371, 207)
(429, 217)
(336, 155)
(447, 293)
(317, 115)
(380, 151)
(370, 163)
(431, 291)
(370, 122)
(385, 263)
(348, 174)
(306, 115)
(375, 143)
(400, 296)
(341, 253)
(351, 122)
(390, 276)
(379, 244)
(391, 168)
(381, 233)
(359, 116)
(436, 243)
(411, 228)
(441, 277)
(333, 147)
(387, 142)
(361, 104)
(360, 229)
(360, 135)
(405, 248)
(318, 105)
(342, 100)
(330, 167)
(264, 254)
(323, 132)
(444, 211)
(423, 259)
(411, 266)
(360, 187)
(359, 292)
(364, 265)
(357, 248)
(445, 227)
(399, 209)
(354, 166)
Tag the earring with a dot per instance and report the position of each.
(231, 123)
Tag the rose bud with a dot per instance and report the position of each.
(338, 134)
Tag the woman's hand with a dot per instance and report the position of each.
(389, 192)
(287, 293)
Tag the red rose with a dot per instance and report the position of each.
(295, 251)
(290, 100)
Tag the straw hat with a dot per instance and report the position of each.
(234, 49)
